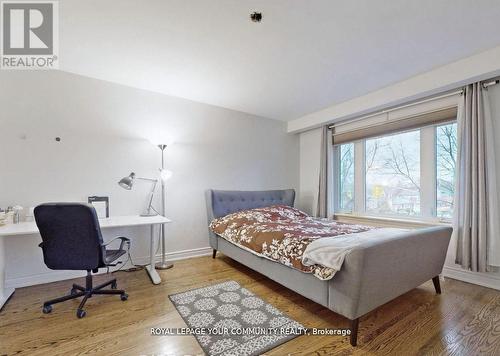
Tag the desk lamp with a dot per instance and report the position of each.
(128, 182)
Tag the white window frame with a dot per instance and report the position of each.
(428, 161)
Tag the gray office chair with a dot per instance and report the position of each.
(72, 240)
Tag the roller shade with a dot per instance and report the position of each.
(396, 120)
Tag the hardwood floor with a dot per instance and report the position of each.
(464, 320)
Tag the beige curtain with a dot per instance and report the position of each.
(325, 173)
(476, 214)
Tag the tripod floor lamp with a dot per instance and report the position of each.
(128, 182)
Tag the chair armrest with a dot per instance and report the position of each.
(123, 241)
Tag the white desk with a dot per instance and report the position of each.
(30, 228)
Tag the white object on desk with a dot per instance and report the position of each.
(30, 228)
(30, 215)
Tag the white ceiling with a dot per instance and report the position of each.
(303, 56)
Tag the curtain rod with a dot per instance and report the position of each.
(491, 83)
(486, 84)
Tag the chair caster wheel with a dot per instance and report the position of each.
(80, 313)
(47, 309)
(114, 285)
(73, 291)
(124, 296)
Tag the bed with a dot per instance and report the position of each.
(372, 274)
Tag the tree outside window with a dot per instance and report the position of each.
(393, 169)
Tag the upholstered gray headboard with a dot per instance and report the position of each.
(223, 202)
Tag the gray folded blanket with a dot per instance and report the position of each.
(331, 251)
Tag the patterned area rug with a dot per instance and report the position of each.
(231, 320)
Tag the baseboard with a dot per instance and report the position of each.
(489, 280)
(54, 276)
(182, 255)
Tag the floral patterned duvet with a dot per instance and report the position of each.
(281, 233)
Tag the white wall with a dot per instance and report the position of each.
(104, 130)
(310, 150)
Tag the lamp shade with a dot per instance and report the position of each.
(127, 182)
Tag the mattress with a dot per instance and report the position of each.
(282, 234)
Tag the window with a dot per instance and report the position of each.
(446, 156)
(405, 174)
(393, 174)
(346, 177)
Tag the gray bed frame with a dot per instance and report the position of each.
(372, 274)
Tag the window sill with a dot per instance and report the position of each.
(387, 221)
